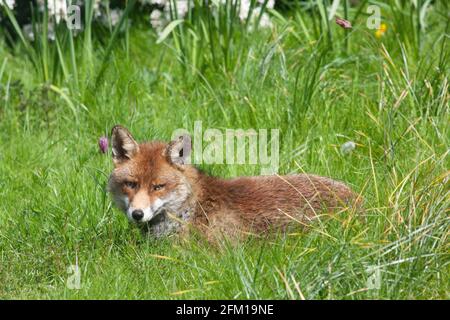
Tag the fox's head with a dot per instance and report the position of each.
(150, 179)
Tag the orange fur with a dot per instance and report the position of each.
(215, 205)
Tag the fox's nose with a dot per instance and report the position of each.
(137, 214)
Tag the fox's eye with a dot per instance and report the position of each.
(131, 184)
(157, 187)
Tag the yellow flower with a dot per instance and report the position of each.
(381, 31)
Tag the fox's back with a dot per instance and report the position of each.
(274, 200)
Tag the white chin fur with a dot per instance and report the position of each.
(149, 212)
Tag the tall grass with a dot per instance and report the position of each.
(71, 56)
(212, 35)
(388, 95)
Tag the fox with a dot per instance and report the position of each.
(161, 193)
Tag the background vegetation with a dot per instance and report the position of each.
(321, 85)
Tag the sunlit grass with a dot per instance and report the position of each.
(389, 95)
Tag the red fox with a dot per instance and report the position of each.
(159, 192)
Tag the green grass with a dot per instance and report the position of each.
(319, 85)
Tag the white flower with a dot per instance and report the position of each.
(159, 2)
(51, 32)
(97, 11)
(9, 3)
(182, 7)
(156, 19)
(28, 31)
(244, 9)
(348, 147)
(58, 9)
(115, 15)
(264, 22)
(270, 4)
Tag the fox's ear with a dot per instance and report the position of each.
(178, 151)
(124, 147)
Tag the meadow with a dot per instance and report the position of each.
(321, 85)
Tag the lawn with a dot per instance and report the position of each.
(321, 85)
